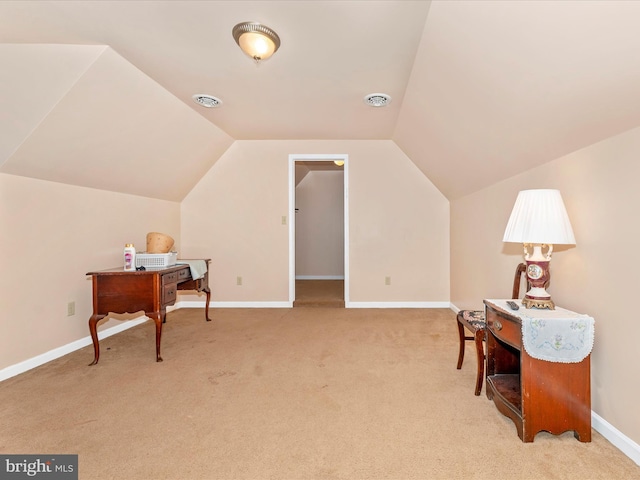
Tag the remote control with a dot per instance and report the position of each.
(513, 305)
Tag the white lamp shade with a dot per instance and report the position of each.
(539, 216)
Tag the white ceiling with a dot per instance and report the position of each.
(482, 90)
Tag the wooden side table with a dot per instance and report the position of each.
(537, 395)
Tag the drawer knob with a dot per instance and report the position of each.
(497, 325)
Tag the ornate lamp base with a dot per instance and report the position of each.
(538, 303)
(538, 276)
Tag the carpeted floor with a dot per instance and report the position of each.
(319, 293)
(291, 394)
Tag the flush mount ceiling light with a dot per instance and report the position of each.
(206, 100)
(256, 40)
(377, 99)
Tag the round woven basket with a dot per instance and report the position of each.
(159, 243)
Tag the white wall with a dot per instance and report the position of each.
(399, 223)
(319, 225)
(51, 235)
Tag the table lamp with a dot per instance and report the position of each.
(539, 220)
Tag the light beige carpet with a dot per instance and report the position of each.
(301, 393)
(319, 293)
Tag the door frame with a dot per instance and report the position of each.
(316, 157)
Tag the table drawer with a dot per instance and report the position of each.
(505, 329)
(184, 274)
(169, 293)
(168, 278)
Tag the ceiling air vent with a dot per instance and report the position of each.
(377, 99)
(207, 100)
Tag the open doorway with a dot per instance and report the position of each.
(316, 276)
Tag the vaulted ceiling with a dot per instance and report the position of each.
(99, 93)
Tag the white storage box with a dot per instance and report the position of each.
(156, 260)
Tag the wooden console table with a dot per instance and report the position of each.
(554, 396)
(151, 290)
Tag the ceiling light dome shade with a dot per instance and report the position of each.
(256, 40)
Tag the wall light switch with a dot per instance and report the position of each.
(284, 220)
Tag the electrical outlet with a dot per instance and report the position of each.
(387, 280)
(238, 280)
(71, 309)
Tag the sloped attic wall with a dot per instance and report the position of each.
(99, 122)
(34, 79)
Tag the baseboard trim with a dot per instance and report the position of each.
(618, 439)
(319, 277)
(200, 304)
(398, 305)
(38, 360)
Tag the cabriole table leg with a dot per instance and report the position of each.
(93, 329)
(158, 318)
